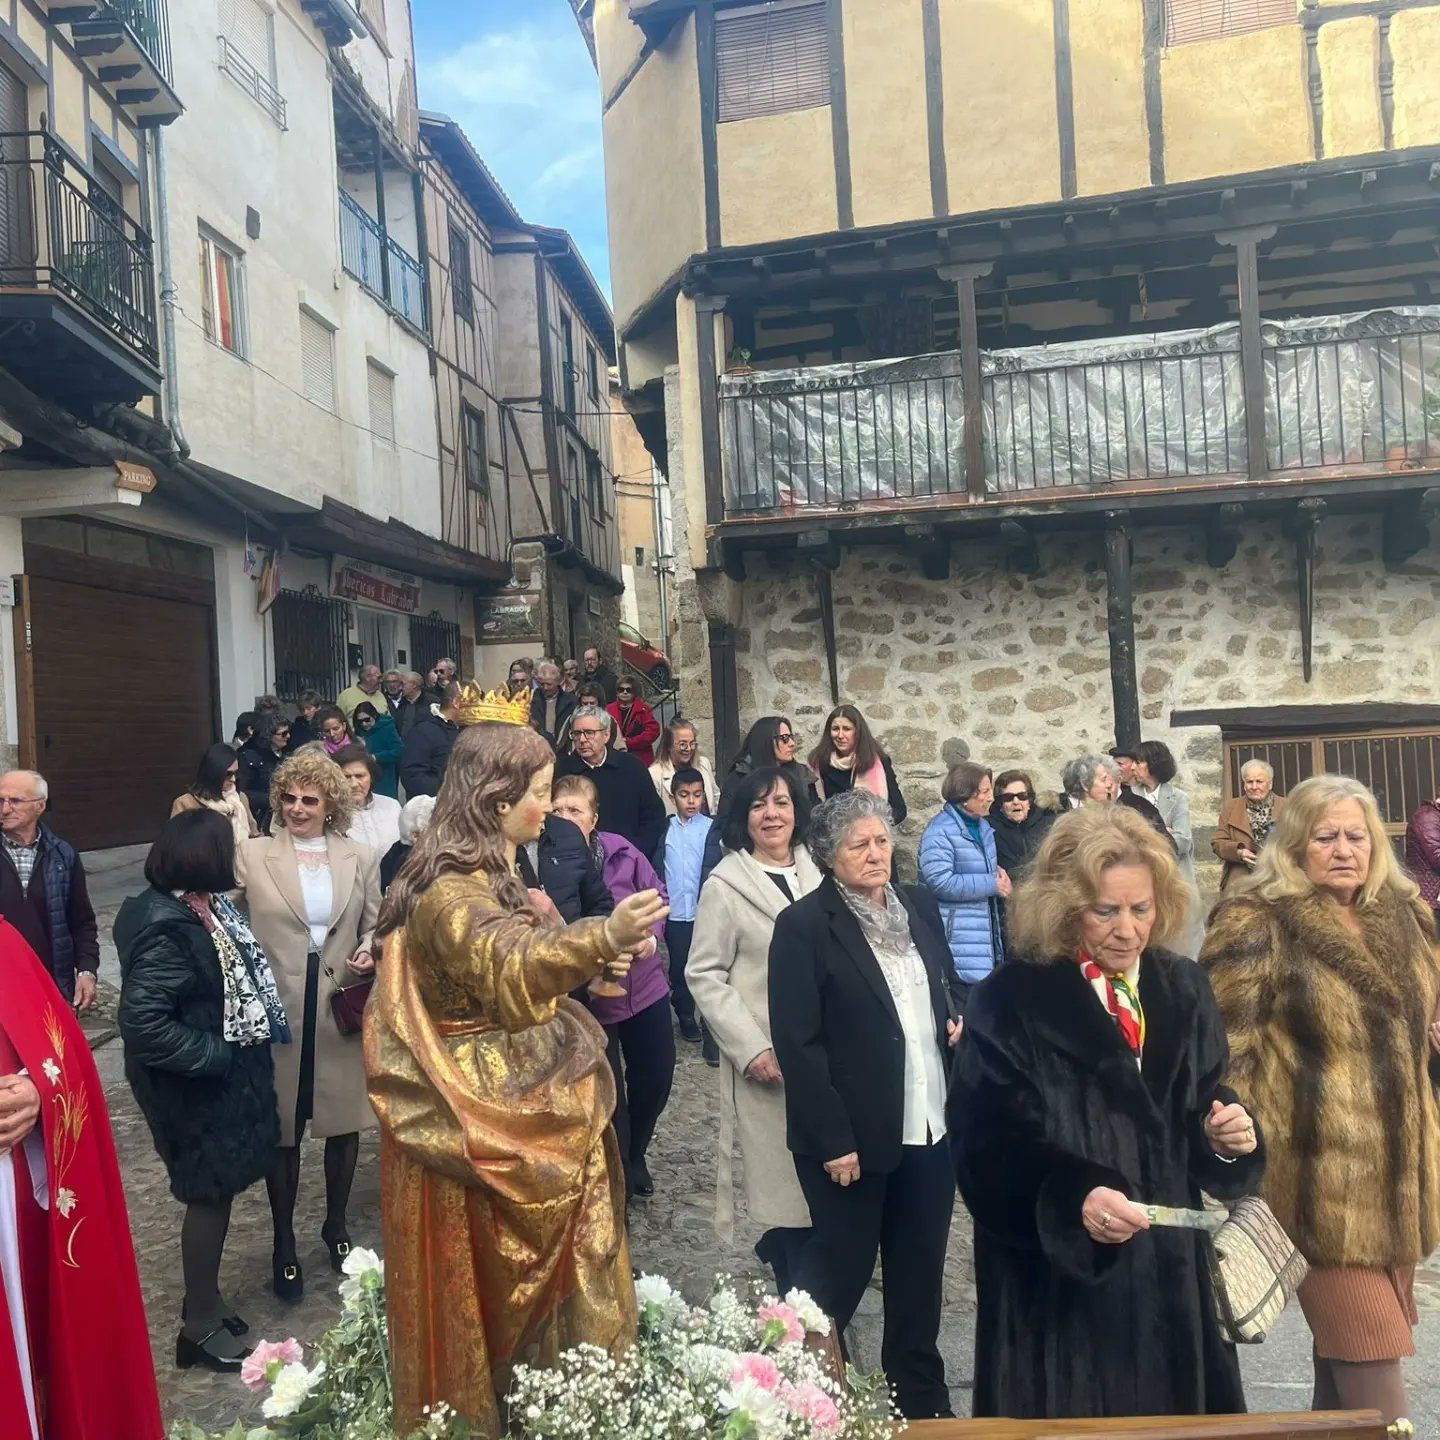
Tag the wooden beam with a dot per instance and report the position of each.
(826, 595)
(1064, 96)
(819, 547)
(732, 561)
(1154, 45)
(708, 368)
(1252, 357)
(724, 692)
(1306, 525)
(1222, 535)
(1120, 614)
(839, 118)
(935, 108)
(971, 389)
(933, 549)
(709, 121)
(1405, 528)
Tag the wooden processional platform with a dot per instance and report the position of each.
(1311, 1425)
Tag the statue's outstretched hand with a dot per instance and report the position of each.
(634, 918)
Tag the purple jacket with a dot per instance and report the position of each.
(627, 871)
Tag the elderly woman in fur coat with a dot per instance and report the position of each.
(1323, 965)
(1087, 1084)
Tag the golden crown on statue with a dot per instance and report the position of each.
(475, 704)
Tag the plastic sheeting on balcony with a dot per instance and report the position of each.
(1342, 393)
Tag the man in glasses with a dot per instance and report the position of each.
(42, 889)
(629, 806)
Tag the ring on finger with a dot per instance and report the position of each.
(1106, 1220)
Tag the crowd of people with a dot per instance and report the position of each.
(1045, 1022)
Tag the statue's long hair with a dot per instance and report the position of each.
(491, 764)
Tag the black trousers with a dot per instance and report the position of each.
(905, 1217)
(642, 1058)
(678, 935)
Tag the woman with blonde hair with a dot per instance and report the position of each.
(312, 897)
(1323, 964)
(1088, 1084)
(502, 1193)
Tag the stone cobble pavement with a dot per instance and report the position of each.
(671, 1234)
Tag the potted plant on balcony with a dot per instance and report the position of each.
(739, 362)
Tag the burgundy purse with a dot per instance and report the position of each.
(347, 1003)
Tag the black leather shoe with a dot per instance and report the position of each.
(337, 1242)
(710, 1050)
(289, 1280)
(640, 1181)
(233, 1323)
(189, 1353)
(689, 1028)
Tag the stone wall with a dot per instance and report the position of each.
(1015, 669)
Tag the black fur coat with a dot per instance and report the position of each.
(1046, 1103)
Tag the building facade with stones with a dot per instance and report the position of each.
(1042, 374)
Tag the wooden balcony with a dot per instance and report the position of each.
(1342, 399)
(126, 44)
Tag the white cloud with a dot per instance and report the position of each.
(528, 98)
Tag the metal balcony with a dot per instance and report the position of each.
(126, 44)
(383, 266)
(78, 276)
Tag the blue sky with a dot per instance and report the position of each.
(517, 76)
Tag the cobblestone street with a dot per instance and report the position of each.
(671, 1234)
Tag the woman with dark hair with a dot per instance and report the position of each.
(1020, 825)
(728, 973)
(333, 729)
(1155, 771)
(377, 733)
(958, 863)
(259, 757)
(502, 1192)
(863, 1011)
(199, 1011)
(216, 788)
(770, 742)
(849, 757)
(375, 818)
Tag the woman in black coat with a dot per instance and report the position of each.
(1020, 825)
(1087, 1085)
(862, 1016)
(198, 1013)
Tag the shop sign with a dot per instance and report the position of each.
(375, 585)
(510, 615)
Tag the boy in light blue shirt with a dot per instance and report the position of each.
(682, 854)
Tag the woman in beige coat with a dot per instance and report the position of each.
(766, 869)
(313, 898)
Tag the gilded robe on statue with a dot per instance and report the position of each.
(502, 1193)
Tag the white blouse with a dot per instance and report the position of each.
(377, 824)
(316, 887)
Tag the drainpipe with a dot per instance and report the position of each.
(166, 278)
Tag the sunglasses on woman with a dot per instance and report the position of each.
(1012, 796)
(310, 802)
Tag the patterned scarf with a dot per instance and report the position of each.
(253, 1012)
(1262, 816)
(1121, 1001)
(886, 929)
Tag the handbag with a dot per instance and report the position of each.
(1254, 1265)
(347, 1003)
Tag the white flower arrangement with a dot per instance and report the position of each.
(732, 1367)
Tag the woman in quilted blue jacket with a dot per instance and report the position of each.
(957, 862)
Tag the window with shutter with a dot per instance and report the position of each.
(1191, 20)
(381, 385)
(247, 53)
(461, 291)
(477, 462)
(771, 58)
(317, 361)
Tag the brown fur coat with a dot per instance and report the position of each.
(1328, 1042)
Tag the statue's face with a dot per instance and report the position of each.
(525, 819)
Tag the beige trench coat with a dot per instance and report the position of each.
(729, 975)
(269, 879)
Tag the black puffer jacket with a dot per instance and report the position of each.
(568, 872)
(258, 763)
(427, 753)
(210, 1104)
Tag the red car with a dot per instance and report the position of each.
(639, 654)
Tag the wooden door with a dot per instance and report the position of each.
(123, 687)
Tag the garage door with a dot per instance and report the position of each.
(122, 685)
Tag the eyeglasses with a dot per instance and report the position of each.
(594, 730)
(310, 802)
(232, 774)
(784, 738)
(18, 800)
(1012, 796)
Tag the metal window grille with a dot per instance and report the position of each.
(461, 292)
(771, 60)
(432, 638)
(311, 631)
(317, 361)
(381, 387)
(1190, 20)
(1402, 768)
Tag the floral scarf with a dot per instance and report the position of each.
(1261, 814)
(887, 931)
(253, 1012)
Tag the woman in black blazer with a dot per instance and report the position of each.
(863, 1013)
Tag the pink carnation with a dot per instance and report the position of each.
(785, 1314)
(255, 1372)
(760, 1369)
(810, 1402)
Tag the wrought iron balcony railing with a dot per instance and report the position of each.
(149, 23)
(60, 231)
(1343, 395)
(383, 266)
